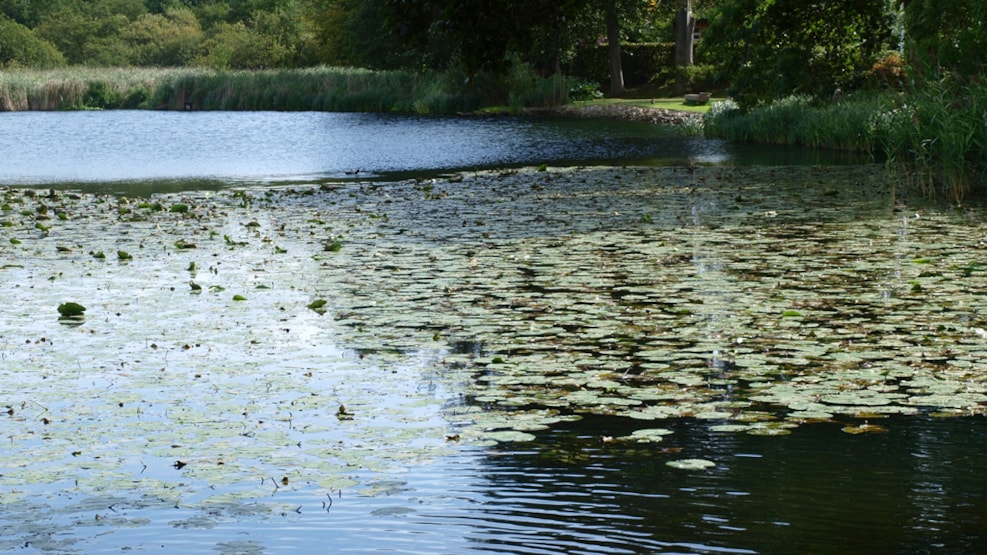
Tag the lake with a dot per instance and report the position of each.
(703, 352)
(270, 147)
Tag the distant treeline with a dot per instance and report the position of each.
(245, 34)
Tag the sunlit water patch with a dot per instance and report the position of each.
(256, 366)
(163, 150)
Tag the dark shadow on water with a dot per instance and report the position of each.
(916, 489)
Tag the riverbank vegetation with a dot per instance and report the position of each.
(316, 88)
(914, 94)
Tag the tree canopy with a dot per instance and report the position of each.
(223, 34)
(20, 47)
(767, 49)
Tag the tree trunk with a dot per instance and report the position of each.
(685, 26)
(613, 45)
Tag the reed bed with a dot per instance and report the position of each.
(934, 136)
(937, 137)
(76, 88)
(320, 88)
(799, 120)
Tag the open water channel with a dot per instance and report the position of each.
(650, 345)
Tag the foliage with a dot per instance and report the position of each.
(241, 35)
(937, 136)
(344, 38)
(478, 43)
(168, 39)
(767, 49)
(698, 77)
(642, 62)
(799, 120)
(888, 72)
(20, 47)
(947, 35)
(317, 88)
(933, 137)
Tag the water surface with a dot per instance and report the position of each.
(85, 147)
(762, 317)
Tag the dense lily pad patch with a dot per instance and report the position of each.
(745, 296)
(383, 324)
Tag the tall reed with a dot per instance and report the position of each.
(798, 120)
(76, 88)
(937, 136)
(319, 88)
(933, 136)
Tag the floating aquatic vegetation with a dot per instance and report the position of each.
(647, 435)
(691, 464)
(71, 309)
(487, 309)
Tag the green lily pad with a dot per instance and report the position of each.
(71, 310)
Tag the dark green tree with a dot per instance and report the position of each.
(947, 35)
(766, 49)
(354, 33)
(479, 34)
(20, 47)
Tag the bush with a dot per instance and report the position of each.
(584, 90)
(20, 47)
(888, 72)
(695, 78)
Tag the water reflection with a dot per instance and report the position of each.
(913, 490)
(79, 148)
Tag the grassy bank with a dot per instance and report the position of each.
(321, 88)
(933, 136)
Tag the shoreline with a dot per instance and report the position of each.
(659, 116)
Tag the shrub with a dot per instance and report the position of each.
(20, 47)
(888, 72)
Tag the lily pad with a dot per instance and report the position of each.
(691, 464)
(647, 435)
(71, 309)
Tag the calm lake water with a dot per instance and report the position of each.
(238, 147)
(173, 420)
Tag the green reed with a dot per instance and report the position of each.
(937, 136)
(319, 88)
(933, 136)
(799, 120)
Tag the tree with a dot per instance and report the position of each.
(613, 48)
(359, 33)
(169, 39)
(476, 35)
(87, 35)
(947, 35)
(766, 49)
(685, 27)
(20, 47)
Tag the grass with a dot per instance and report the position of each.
(937, 136)
(798, 120)
(77, 88)
(319, 88)
(667, 103)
